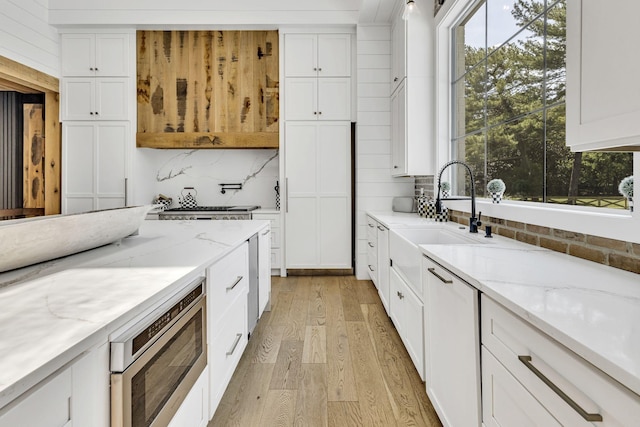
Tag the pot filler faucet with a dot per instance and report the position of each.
(474, 222)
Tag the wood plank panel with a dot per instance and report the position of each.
(279, 408)
(23, 75)
(203, 85)
(311, 402)
(52, 154)
(350, 301)
(286, 375)
(267, 344)
(317, 306)
(33, 156)
(341, 382)
(315, 345)
(344, 414)
(280, 317)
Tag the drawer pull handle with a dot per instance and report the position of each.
(265, 233)
(381, 228)
(526, 360)
(370, 268)
(370, 225)
(400, 295)
(433, 271)
(371, 245)
(230, 288)
(235, 344)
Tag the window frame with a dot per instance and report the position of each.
(602, 222)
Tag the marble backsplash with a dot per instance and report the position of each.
(169, 171)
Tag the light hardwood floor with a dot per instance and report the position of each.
(326, 355)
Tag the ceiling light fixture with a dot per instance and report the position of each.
(410, 8)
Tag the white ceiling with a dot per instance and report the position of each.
(377, 11)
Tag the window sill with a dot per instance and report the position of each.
(602, 222)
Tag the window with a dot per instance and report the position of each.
(508, 88)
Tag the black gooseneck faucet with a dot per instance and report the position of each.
(474, 222)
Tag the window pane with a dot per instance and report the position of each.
(471, 150)
(506, 17)
(469, 103)
(556, 48)
(515, 154)
(515, 77)
(470, 41)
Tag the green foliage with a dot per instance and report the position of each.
(511, 120)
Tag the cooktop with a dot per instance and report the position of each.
(215, 209)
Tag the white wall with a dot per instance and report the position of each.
(375, 188)
(27, 37)
(202, 13)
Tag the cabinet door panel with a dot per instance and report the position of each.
(301, 159)
(395, 303)
(383, 266)
(111, 160)
(78, 55)
(334, 99)
(334, 157)
(335, 232)
(334, 55)
(301, 99)
(414, 332)
(78, 101)
(111, 99)
(302, 232)
(300, 51)
(264, 267)
(112, 57)
(398, 125)
(78, 160)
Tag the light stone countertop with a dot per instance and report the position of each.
(54, 311)
(592, 309)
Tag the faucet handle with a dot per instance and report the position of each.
(478, 222)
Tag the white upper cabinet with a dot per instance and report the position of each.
(603, 89)
(398, 51)
(95, 55)
(95, 98)
(317, 55)
(318, 98)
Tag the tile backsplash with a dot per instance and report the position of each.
(615, 253)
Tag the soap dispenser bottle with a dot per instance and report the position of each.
(422, 203)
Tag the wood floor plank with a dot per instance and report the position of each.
(279, 408)
(372, 394)
(266, 344)
(243, 404)
(341, 382)
(366, 291)
(350, 303)
(311, 402)
(343, 414)
(286, 374)
(315, 345)
(395, 363)
(317, 304)
(280, 313)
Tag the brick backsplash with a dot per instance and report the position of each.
(425, 182)
(615, 253)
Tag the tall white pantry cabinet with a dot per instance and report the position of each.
(96, 119)
(317, 151)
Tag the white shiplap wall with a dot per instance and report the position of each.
(375, 188)
(27, 37)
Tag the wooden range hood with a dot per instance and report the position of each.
(207, 89)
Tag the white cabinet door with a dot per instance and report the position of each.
(396, 312)
(334, 99)
(322, 55)
(301, 55)
(318, 205)
(193, 409)
(264, 270)
(301, 99)
(334, 55)
(452, 323)
(95, 99)
(94, 168)
(505, 402)
(90, 55)
(398, 51)
(383, 265)
(398, 131)
(603, 102)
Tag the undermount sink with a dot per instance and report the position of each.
(406, 257)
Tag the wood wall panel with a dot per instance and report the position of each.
(207, 89)
(33, 153)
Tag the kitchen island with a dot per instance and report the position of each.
(56, 311)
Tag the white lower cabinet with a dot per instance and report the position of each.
(572, 391)
(372, 250)
(406, 311)
(264, 270)
(383, 265)
(276, 238)
(452, 334)
(193, 409)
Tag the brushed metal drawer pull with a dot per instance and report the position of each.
(370, 268)
(235, 344)
(370, 225)
(265, 233)
(433, 271)
(371, 245)
(381, 228)
(230, 288)
(526, 360)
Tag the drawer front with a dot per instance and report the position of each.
(569, 387)
(372, 263)
(227, 278)
(372, 235)
(505, 402)
(225, 349)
